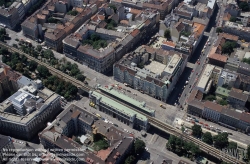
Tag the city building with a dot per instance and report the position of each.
(243, 82)
(232, 64)
(28, 110)
(9, 17)
(244, 68)
(7, 149)
(216, 74)
(153, 71)
(237, 97)
(69, 124)
(230, 118)
(237, 29)
(212, 111)
(244, 123)
(227, 77)
(118, 111)
(20, 9)
(8, 80)
(162, 6)
(195, 103)
(222, 92)
(205, 80)
(217, 59)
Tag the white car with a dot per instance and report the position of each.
(146, 148)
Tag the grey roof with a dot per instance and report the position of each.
(29, 24)
(24, 81)
(88, 50)
(231, 113)
(238, 95)
(4, 140)
(127, 39)
(71, 41)
(244, 66)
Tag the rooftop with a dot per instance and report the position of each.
(4, 140)
(205, 77)
(213, 106)
(141, 105)
(119, 107)
(238, 95)
(222, 91)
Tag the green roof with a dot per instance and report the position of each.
(119, 107)
(222, 91)
(126, 98)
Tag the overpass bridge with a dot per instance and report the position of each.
(153, 121)
(190, 65)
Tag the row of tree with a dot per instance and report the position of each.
(181, 147)
(219, 141)
(19, 63)
(48, 56)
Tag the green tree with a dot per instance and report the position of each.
(219, 30)
(113, 7)
(210, 97)
(171, 142)
(228, 47)
(43, 71)
(32, 65)
(232, 145)
(19, 67)
(73, 12)
(232, 19)
(195, 150)
(196, 131)
(48, 54)
(221, 140)
(39, 48)
(167, 34)
(248, 152)
(4, 51)
(207, 138)
(51, 20)
(244, 6)
(223, 102)
(139, 146)
(80, 77)
(130, 159)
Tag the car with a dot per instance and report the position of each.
(192, 70)
(116, 125)
(146, 148)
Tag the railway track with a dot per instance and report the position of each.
(153, 121)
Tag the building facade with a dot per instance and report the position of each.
(7, 149)
(9, 17)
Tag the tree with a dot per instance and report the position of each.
(228, 47)
(80, 77)
(43, 71)
(32, 65)
(244, 6)
(219, 30)
(19, 67)
(171, 142)
(52, 20)
(74, 71)
(232, 19)
(210, 97)
(232, 145)
(207, 138)
(194, 148)
(248, 152)
(197, 131)
(221, 140)
(130, 159)
(48, 54)
(39, 48)
(139, 146)
(167, 34)
(4, 51)
(223, 102)
(73, 13)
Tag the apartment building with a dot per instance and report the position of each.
(229, 118)
(156, 79)
(227, 77)
(9, 17)
(162, 6)
(195, 103)
(205, 80)
(244, 123)
(58, 135)
(217, 59)
(237, 29)
(20, 9)
(232, 64)
(7, 149)
(216, 74)
(244, 68)
(243, 82)
(28, 110)
(212, 111)
(8, 80)
(237, 97)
